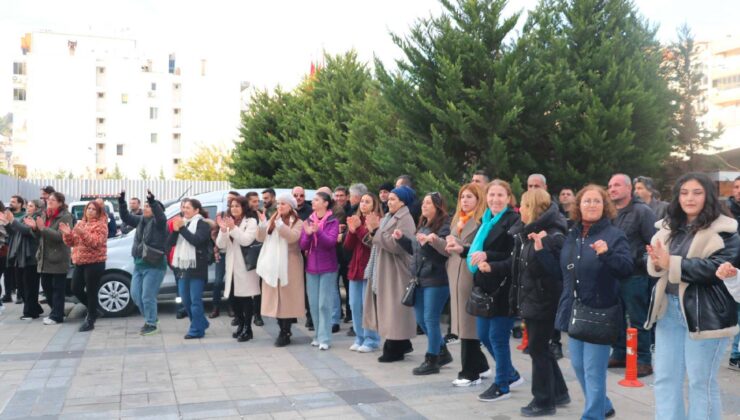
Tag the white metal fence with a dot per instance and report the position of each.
(74, 188)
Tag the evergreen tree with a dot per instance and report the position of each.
(685, 76)
(143, 174)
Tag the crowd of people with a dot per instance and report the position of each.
(588, 263)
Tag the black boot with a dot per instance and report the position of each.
(246, 335)
(258, 320)
(240, 328)
(429, 366)
(88, 325)
(444, 355)
(283, 338)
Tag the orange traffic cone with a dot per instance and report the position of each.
(525, 339)
(630, 374)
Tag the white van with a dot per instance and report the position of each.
(114, 295)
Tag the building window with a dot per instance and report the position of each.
(176, 161)
(101, 70)
(101, 95)
(176, 111)
(119, 150)
(176, 86)
(153, 138)
(124, 98)
(19, 94)
(19, 68)
(154, 86)
(153, 113)
(101, 120)
(176, 136)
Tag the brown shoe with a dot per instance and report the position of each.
(644, 370)
(215, 313)
(614, 363)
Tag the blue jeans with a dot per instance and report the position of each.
(321, 289)
(364, 336)
(191, 291)
(144, 290)
(736, 341)
(634, 292)
(677, 355)
(428, 305)
(590, 362)
(218, 282)
(494, 333)
(336, 316)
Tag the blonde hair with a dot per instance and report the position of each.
(480, 207)
(535, 202)
(506, 186)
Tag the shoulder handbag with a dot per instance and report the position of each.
(151, 255)
(408, 296)
(481, 303)
(589, 324)
(251, 254)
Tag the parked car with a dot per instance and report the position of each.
(114, 295)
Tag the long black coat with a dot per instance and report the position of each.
(534, 292)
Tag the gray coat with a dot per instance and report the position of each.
(53, 255)
(23, 244)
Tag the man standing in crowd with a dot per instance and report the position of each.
(268, 202)
(637, 221)
(45, 193)
(645, 189)
(134, 208)
(304, 207)
(734, 204)
(480, 178)
(112, 228)
(415, 206)
(220, 269)
(567, 198)
(356, 191)
(13, 272)
(383, 192)
(536, 181)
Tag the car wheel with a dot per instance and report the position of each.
(114, 295)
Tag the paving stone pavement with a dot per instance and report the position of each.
(114, 373)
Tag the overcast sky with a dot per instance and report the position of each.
(272, 42)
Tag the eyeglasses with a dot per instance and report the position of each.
(590, 202)
(298, 195)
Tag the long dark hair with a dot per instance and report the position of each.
(248, 212)
(326, 197)
(243, 203)
(440, 217)
(676, 217)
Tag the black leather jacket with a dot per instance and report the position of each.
(429, 261)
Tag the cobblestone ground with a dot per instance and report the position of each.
(113, 372)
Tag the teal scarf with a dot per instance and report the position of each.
(489, 221)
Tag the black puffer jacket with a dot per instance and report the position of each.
(708, 307)
(429, 263)
(534, 292)
(637, 221)
(498, 247)
(151, 231)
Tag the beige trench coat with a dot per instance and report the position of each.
(384, 312)
(245, 283)
(286, 301)
(461, 283)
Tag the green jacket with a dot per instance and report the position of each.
(53, 255)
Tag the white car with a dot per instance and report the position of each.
(114, 295)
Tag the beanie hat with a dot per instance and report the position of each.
(287, 198)
(405, 194)
(386, 186)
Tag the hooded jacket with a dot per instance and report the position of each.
(534, 292)
(706, 303)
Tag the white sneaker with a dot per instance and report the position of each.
(487, 374)
(323, 346)
(315, 343)
(460, 382)
(366, 349)
(354, 347)
(49, 321)
(516, 383)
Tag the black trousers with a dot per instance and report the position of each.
(258, 303)
(13, 281)
(54, 288)
(473, 360)
(30, 282)
(243, 308)
(3, 266)
(547, 379)
(85, 283)
(555, 336)
(396, 347)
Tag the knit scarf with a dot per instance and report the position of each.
(370, 268)
(185, 255)
(50, 216)
(488, 222)
(320, 222)
(462, 220)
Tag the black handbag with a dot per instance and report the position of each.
(151, 255)
(480, 303)
(251, 254)
(589, 324)
(408, 296)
